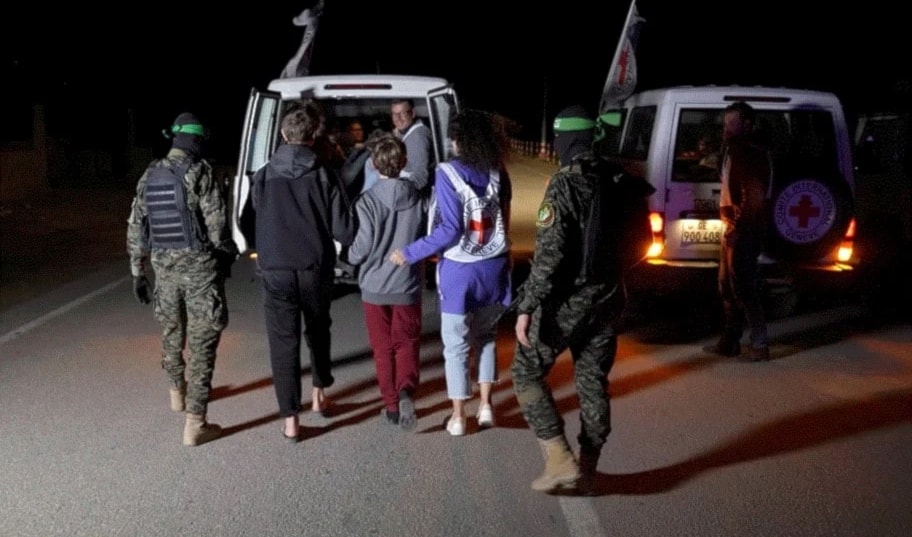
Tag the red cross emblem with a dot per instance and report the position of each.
(804, 211)
(480, 227)
(622, 63)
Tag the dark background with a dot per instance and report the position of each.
(89, 64)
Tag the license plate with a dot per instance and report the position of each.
(701, 232)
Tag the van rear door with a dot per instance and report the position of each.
(690, 171)
(442, 105)
(261, 129)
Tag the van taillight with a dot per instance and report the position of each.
(657, 222)
(844, 253)
(850, 232)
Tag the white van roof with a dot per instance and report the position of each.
(360, 86)
(756, 96)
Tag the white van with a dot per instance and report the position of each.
(366, 98)
(672, 137)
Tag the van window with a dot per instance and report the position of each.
(639, 133)
(802, 141)
(443, 107)
(697, 146)
(263, 134)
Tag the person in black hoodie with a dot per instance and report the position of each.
(300, 208)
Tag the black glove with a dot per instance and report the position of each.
(141, 289)
(223, 261)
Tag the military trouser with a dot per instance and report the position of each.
(192, 310)
(592, 342)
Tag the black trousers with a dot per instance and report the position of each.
(739, 287)
(288, 297)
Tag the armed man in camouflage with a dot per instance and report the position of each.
(570, 300)
(179, 216)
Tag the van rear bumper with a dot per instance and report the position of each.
(674, 276)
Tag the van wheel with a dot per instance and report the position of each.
(809, 218)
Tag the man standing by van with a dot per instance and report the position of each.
(418, 144)
(746, 181)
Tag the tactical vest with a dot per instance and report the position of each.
(171, 226)
(484, 233)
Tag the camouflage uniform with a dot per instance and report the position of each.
(189, 299)
(567, 312)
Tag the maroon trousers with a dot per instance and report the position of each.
(394, 332)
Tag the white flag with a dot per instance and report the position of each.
(622, 76)
(299, 64)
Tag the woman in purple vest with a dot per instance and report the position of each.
(469, 234)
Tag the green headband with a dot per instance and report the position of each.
(564, 124)
(189, 128)
(612, 118)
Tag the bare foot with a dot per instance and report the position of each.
(292, 427)
(320, 401)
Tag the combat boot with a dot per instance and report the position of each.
(177, 397)
(588, 462)
(197, 431)
(561, 470)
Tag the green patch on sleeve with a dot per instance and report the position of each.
(546, 215)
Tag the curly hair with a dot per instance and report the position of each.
(388, 155)
(482, 139)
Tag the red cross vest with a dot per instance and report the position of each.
(484, 234)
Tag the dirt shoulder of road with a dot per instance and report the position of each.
(60, 236)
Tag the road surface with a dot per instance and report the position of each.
(814, 443)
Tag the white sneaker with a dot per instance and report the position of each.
(456, 426)
(485, 416)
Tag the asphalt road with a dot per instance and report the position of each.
(813, 443)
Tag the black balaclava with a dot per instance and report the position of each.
(574, 132)
(188, 135)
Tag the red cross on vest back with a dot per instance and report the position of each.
(479, 226)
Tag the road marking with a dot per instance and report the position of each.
(582, 519)
(27, 327)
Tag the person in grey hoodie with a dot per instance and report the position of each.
(391, 215)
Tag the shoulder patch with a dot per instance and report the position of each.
(546, 215)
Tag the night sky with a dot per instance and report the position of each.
(502, 56)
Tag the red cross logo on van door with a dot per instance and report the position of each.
(804, 210)
(480, 227)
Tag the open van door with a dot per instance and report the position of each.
(442, 106)
(257, 143)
